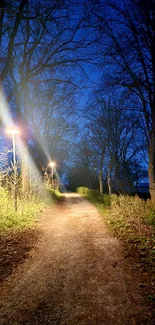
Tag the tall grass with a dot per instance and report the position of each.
(25, 216)
(135, 212)
(28, 207)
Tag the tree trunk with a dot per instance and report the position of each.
(100, 183)
(109, 179)
(109, 185)
(90, 184)
(101, 173)
(25, 171)
(152, 165)
(24, 156)
(152, 135)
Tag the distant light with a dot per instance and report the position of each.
(13, 131)
(51, 164)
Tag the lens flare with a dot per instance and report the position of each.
(52, 164)
(11, 129)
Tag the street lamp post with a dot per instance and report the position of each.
(52, 165)
(14, 149)
(14, 132)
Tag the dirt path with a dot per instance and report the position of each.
(76, 276)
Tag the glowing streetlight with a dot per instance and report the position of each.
(13, 132)
(52, 165)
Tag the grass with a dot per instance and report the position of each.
(27, 212)
(25, 216)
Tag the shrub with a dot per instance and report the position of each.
(106, 198)
(83, 190)
(92, 194)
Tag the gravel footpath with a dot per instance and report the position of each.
(76, 275)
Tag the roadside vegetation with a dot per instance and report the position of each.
(28, 209)
(24, 217)
(132, 220)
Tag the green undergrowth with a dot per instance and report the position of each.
(27, 212)
(130, 219)
(50, 197)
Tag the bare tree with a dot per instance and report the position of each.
(127, 48)
(113, 139)
(42, 42)
(52, 125)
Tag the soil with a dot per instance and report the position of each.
(14, 248)
(70, 271)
